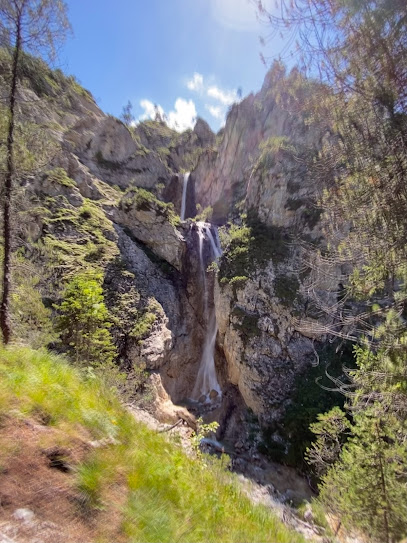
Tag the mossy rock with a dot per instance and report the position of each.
(251, 246)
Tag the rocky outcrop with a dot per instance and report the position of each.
(173, 345)
(263, 349)
(149, 221)
(260, 160)
(107, 148)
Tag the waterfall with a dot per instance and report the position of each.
(206, 380)
(184, 195)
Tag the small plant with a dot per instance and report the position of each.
(202, 431)
(248, 246)
(204, 215)
(145, 200)
(286, 288)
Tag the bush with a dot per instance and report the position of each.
(84, 322)
(250, 246)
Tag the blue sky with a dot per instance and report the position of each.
(187, 56)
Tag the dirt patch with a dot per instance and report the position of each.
(39, 501)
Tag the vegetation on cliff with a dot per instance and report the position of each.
(359, 51)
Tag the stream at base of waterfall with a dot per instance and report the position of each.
(206, 386)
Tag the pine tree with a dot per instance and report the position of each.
(367, 486)
(358, 51)
(36, 26)
(84, 322)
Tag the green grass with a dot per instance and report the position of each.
(167, 495)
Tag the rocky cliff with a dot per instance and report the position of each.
(259, 191)
(109, 200)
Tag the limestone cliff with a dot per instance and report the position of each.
(258, 186)
(110, 198)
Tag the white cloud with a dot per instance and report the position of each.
(181, 118)
(196, 83)
(225, 97)
(184, 116)
(216, 111)
(150, 110)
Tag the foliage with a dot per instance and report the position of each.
(312, 395)
(145, 200)
(29, 25)
(203, 215)
(157, 481)
(77, 239)
(203, 430)
(246, 323)
(84, 322)
(127, 115)
(358, 49)
(371, 468)
(31, 320)
(269, 151)
(249, 246)
(286, 287)
(329, 430)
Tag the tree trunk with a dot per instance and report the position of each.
(5, 324)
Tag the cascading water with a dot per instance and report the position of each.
(206, 380)
(184, 195)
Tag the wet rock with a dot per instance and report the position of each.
(213, 394)
(202, 399)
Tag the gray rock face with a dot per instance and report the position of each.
(260, 164)
(206, 137)
(150, 225)
(262, 346)
(258, 160)
(174, 345)
(107, 148)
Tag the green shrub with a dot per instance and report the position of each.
(286, 287)
(84, 322)
(250, 246)
(143, 199)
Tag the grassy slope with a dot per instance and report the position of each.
(135, 485)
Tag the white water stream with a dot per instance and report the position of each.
(206, 379)
(184, 195)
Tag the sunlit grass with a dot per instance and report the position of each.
(167, 496)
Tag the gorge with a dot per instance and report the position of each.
(232, 325)
(204, 333)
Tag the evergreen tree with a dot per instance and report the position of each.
(368, 487)
(36, 26)
(84, 322)
(127, 114)
(358, 51)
